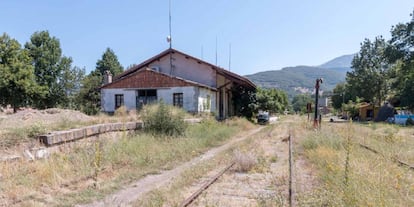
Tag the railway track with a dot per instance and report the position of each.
(396, 160)
(291, 191)
(194, 196)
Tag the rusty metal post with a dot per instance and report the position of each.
(315, 120)
(291, 193)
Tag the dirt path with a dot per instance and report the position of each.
(268, 183)
(265, 185)
(136, 190)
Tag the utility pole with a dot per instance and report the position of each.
(317, 85)
(169, 38)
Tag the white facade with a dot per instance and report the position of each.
(186, 68)
(195, 99)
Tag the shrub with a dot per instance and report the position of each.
(121, 111)
(244, 161)
(162, 119)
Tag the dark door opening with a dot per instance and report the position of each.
(146, 97)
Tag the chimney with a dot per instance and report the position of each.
(107, 77)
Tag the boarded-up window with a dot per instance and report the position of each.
(178, 99)
(119, 100)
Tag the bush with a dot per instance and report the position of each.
(121, 111)
(162, 119)
(244, 161)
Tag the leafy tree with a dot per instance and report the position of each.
(109, 62)
(17, 80)
(340, 95)
(300, 101)
(400, 53)
(70, 83)
(89, 95)
(48, 64)
(368, 79)
(244, 100)
(272, 100)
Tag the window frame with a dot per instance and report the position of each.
(119, 100)
(178, 100)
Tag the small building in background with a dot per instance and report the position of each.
(368, 111)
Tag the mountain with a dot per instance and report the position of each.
(301, 79)
(340, 64)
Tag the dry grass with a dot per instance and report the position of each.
(353, 176)
(244, 161)
(66, 179)
(172, 195)
(21, 127)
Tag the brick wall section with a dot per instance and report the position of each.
(146, 78)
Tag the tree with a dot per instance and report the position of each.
(109, 62)
(48, 64)
(400, 53)
(244, 100)
(340, 95)
(70, 83)
(300, 101)
(368, 79)
(17, 80)
(89, 95)
(272, 100)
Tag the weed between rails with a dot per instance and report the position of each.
(353, 176)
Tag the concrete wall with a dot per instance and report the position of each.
(186, 68)
(194, 98)
(189, 96)
(108, 99)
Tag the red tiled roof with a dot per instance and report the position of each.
(147, 78)
(230, 75)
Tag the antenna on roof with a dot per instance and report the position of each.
(169, 38)
(216, 50)
(229, 56)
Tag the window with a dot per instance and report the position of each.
(178, 99)
(119, 100)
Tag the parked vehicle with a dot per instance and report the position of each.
(263, 118)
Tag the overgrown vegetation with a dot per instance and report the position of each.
(107, 165)
(353, 176)
(163, 119)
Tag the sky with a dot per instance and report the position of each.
(263, 34)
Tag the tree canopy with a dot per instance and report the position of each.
(368, 79)
(49, 65)
(300, 101)
(272, 100)
(17, 79)
(109, 61)
(385, 69)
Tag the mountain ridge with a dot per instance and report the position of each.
(301, 79)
